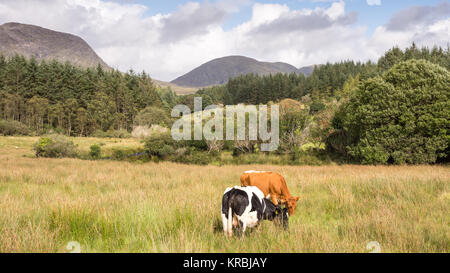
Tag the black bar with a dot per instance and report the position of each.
(226, 262)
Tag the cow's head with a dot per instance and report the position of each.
(282, 217)
(292, 204)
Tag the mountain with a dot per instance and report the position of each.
(46, 44)
(308, 70)
(218, 71)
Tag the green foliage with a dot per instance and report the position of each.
(13, 128)
(436, 55)
(350, 86)
(168, 97)
(402, 117)
(152, 116)
(80, 101)
(128, 154)
(194, 157)
(95, 151)
(316, 106)
(201, 145)
(293, 119)
(118, 154)
(55, 146)
(160, 145)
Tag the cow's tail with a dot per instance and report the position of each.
(230, 222)
(230, 217)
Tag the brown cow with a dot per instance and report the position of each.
(272, 184)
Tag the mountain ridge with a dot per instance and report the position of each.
(219, 70)
(46, 44)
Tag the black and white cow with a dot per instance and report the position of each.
(246, 207)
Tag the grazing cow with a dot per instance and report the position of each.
(246, 207)
(273, 185)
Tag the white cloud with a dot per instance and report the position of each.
(169, 45)
(373, 2)
(336, 10)
(425, 25)
(435, 34)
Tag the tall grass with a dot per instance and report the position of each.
(112, 206)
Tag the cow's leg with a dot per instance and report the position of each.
(224, 223)
(240, 227)
(243, 227)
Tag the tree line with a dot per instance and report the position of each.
(74, 100)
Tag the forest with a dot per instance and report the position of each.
(394, 111)
(71, 100)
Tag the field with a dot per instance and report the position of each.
(111, 206)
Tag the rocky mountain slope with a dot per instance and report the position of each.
(46, 44)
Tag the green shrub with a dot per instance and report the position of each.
(194, 157)
(200, 145)
(129, 154)
(55, 146)
(95, 151)
(316, 106)
(152, 116)
(401, 117)
(13, 127)
(118, 154)
(166, 151)
(159, 143)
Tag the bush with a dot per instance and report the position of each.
(95, 151)
(200, 145)
(129, 154)
(194, 157)
(316, 106)
(55, 146)
(401, 117)
(158, 145)
(152, 116)
(166, 151)
(12, 127)
(118, 154)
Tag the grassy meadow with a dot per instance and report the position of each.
(112, 206)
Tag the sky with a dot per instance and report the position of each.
(169, 38)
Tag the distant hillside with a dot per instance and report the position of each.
(308, 70)
(46, 44)
(180, 90)
(218, 71)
